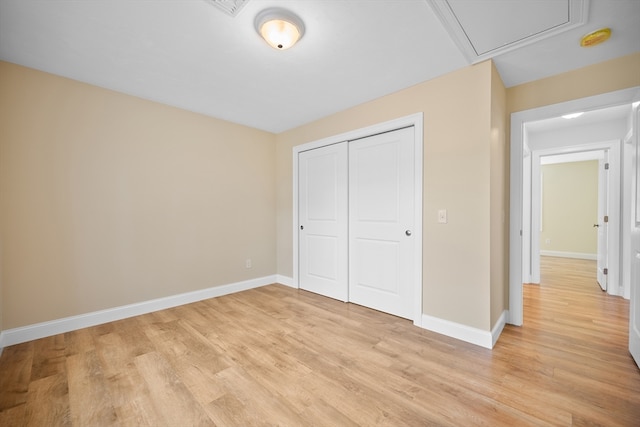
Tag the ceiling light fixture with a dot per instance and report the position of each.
(595, 37)
(572, 115)
(279, 27)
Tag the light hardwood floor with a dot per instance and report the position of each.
(279, 356)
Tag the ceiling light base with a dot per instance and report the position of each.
(280, 28)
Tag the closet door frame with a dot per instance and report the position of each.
(415, 120)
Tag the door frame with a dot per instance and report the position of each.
(633, 138)
(516, 203)
(415, 120)
(613, 205)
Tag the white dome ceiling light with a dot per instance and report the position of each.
(279, 27)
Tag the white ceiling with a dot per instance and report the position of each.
(604, 115)
(191, 55)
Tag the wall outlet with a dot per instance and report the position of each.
(547, 241)
(247, 263)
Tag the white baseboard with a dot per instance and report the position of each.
(285, 280)
(498, 327)
(445, 327)
(458, 331)
(576, 255)
(67, 324)
(40, 330)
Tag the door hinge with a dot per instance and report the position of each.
(606, 218)
(606, 166)
(605, 271)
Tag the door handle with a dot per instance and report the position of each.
(596, 225)
(302, 227)
(408, 232)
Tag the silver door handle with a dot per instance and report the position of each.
(408, 232)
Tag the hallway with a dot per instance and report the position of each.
(577, 336)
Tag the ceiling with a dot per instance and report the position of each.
(594, 117)
(192, 55)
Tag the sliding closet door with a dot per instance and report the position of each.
(381, 219)
(323, 220)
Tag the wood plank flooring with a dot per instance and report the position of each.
(278, 356)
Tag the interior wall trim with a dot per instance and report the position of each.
(463, 332)
(285, 280)
(498, 327)
(45, 329)
(575, 255)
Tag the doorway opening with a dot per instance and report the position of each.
(522, 152)
(573, 216)
(584, 181)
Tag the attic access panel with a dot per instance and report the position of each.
(230, 7)
(487, 28)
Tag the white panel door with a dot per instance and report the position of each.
(603, 222)
(634, 303)
(323, 221)
(634, 306)
(381, 215)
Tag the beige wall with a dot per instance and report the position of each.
(570, 207)
(107, 199)
(458, 155)
(608, 76)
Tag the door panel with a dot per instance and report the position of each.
(377, 263)
(322, 262)
(322, 204)
(634, 308)
(381, 197)
(634, 303)
(603, 226)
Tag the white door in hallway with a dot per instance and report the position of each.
(323, 221)
(634, 303)
(603, 222)
(381, 220)
(634, 306)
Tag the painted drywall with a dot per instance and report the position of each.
(570, 207)
(457, 176)
(499, 173)
(107, 199)
(609, 76)
(35, 108)
(578, 135)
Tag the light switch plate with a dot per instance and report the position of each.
(442, 216)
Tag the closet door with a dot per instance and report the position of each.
(323, 221)
(381, 216)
